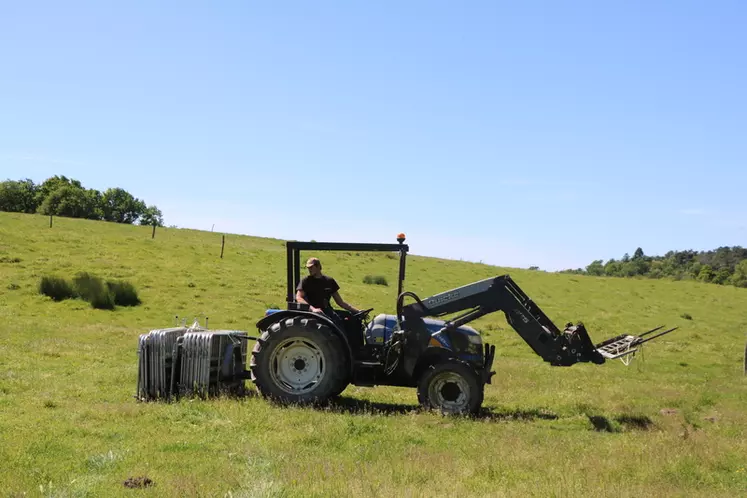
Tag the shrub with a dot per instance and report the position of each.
(87, 285)
(103, 301)
(56, 287)
(92, 289)
(124, 293)
(375, 279)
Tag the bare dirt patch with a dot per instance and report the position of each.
(138, 482)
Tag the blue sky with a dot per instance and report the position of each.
(516, 133)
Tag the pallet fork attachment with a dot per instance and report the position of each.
(625, 344)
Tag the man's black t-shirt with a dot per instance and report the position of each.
(318, 290)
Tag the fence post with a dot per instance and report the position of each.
(153, 235)
(50, 221)
(222, 245)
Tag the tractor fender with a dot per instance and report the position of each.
(265, 323)
(431, 356)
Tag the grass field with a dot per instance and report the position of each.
(673, 423)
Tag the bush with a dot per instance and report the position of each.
(57, 288)
(103, 301)
(124, 293)
(375, 279)
(88, 286)
(92, 289)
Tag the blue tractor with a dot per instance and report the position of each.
(302, 357)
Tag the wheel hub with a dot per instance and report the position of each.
(297, 365)
(450, 392)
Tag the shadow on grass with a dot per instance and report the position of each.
(348, 405)
(620, 423)
(345, 404)
(353, 406)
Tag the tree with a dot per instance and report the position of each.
(706, 273)
(739, 278)
(153, 216)
(640, 266)
(717, 266)
(595, 268)
(694, 269)
(722, 276)
(53, 183)
(96, 201)
(63, 196)
(612, 268)
(18, 196)
(120, 206)
(69, 201)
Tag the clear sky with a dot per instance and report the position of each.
(516, 133)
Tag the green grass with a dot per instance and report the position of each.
(674, 422)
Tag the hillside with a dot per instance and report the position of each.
(70, 425)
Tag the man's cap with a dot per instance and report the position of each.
(312, 261)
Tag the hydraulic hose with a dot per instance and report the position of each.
(401, 298)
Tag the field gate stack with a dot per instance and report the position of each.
(190, 361)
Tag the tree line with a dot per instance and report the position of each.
(62, 196)
(723, 266)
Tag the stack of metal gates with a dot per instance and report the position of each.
(190, 361)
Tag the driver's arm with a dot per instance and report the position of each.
(342, 304)
(301, 298)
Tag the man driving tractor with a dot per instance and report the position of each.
(315, 289)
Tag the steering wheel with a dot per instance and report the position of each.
(362, 313)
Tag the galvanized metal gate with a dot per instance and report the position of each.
(190, 361)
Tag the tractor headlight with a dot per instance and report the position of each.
(474, 344)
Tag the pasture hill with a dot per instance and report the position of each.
(674, 422)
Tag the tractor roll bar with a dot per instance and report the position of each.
(294, 248)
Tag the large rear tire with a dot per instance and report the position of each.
(451, 387)
(299, 361)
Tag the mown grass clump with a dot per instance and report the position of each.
(124, 293)
(57, 288)
(375, 280)
(89, 287)
(92, 289)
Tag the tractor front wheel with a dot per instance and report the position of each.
(299, 361)
(451, 387)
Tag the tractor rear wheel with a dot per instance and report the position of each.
(452, 387)
(299, 361)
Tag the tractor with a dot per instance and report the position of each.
(303, 357)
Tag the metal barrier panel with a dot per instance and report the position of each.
(189, 361)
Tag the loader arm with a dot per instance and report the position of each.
(558, 347)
